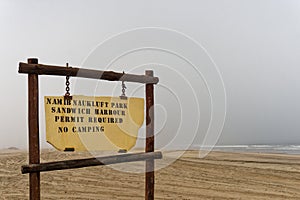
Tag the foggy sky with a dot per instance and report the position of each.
(255, 44)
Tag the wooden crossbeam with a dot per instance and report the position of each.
(41, 69)
(79, 163)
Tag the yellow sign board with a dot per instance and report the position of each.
(91, 123)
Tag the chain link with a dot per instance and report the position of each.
(67, 83)
(123, 88)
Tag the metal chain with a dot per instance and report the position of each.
(123, 88)
(67, 83)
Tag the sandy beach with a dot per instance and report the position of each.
(218, 176)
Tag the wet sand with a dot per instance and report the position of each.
(220, 175)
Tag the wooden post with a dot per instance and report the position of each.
(33, 126)
(149, 182)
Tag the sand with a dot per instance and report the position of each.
(219, 176)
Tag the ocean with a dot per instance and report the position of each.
(283, 149)
(278, 149)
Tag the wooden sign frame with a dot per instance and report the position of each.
(34, 69)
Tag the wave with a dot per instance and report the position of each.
(286, 149)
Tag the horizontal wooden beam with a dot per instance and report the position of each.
(79, 163)
(41, 69)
